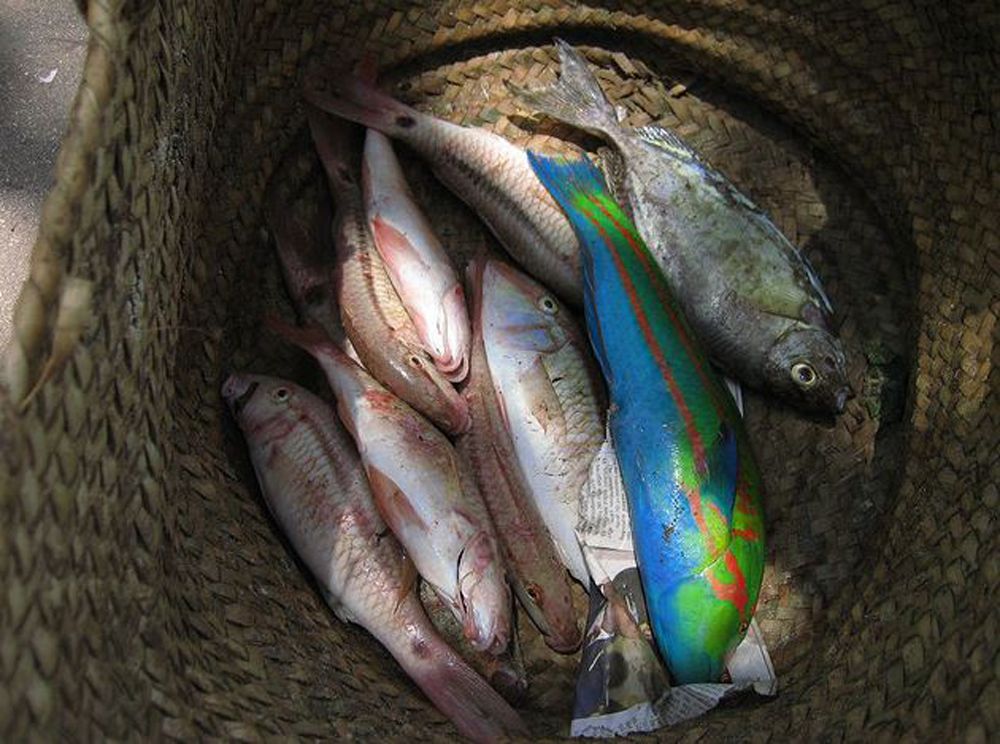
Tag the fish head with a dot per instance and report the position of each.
(807, 365)
(265, 406)
(695, 630)
(485, 595)
(520, 315)
(550, 607)
(434, 389)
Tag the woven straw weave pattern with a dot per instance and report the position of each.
(145, 592)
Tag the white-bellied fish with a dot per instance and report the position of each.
(416, 261)
(550, 394)
(535, 571)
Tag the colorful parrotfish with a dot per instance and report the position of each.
(693, 487)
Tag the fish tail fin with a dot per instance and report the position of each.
(477, 710)
(573, 184)
(310, 338)
(576, 98)
(335, 143)
(356, 99)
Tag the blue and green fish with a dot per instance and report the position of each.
(693, 487)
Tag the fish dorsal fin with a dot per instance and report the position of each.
(669, 142)
(672, 143)
(339, 609)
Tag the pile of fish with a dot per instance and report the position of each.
(470, 402)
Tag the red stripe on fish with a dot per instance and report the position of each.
(694, 499)
(654, 273)
(735, 592)
(744, 499)
(652, 342)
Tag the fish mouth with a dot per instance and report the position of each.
(564, 643)
(840, 400)
(455, 371)
(490, 640)
(238, 391)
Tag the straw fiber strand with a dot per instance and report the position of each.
(145, 591)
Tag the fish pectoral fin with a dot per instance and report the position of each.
(722, 462)
(393, 504)
(537, 388)
(408, 582)
(394, 245)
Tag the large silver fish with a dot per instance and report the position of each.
(536, 573)
(414, 474)
(550, 394)
(415, 260)
(483, 169)
(373, 316)
(314, 486)
(750, 295)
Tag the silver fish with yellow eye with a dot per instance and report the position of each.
(751, 296)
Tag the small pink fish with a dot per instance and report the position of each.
(418, 488)
(314, 486)
(415, 260)
(373, 316)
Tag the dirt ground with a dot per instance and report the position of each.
(42, 49)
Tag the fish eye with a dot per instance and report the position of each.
(280, 395)
(548, 305)
(415, 361)
(804, 375)
(533, 592)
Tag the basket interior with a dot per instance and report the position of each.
(168, 603)
(828, 482)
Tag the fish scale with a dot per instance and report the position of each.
(693, 488)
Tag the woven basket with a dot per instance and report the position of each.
(146, 593)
